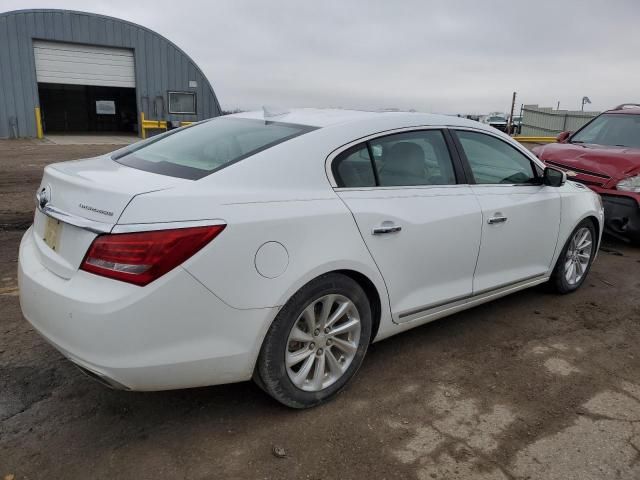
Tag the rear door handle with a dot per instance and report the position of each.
(497, 219)
(386, 228)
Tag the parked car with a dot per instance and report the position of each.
(605, 156)
(279, 247)
(497, 121)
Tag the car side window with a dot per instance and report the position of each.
(413, 158)
(493, 161)
(353, 168)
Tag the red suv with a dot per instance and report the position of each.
(605, 155)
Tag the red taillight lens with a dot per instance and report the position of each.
(142, 257)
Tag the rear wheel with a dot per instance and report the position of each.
(575, 260)
(316, 343)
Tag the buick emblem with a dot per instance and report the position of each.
(43, 196)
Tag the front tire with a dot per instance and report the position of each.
(316, 343)
(575, 260)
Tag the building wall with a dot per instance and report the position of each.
(160, 65)
(546, 122)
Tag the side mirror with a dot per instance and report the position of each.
(563, 137)
(554, 177)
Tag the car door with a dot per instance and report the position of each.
(520, 215)
(420, 224)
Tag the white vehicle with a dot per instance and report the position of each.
(278, 248)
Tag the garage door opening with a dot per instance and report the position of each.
(86, 88)
(87, 108)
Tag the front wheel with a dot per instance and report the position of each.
(575, 260)
(316, 343)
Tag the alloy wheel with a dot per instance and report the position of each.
(323, 342)
(578, 256)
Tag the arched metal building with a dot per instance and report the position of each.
(67, 71)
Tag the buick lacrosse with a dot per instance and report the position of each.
(278, 245)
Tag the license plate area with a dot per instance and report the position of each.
(51, 237)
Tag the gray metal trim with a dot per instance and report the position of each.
(471, 297)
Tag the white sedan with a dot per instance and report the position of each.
(278, 247)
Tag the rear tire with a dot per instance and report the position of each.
(316, 343)
(574, 262)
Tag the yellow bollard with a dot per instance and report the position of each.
(39, 131)
(143, 133)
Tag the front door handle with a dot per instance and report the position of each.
(497, 219)
(386, 227)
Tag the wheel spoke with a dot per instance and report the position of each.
(584, 245)
(345, 327)
(318, 374)
(575, 273)
(334, 365)
(309, 315)
(585, 257)
(579, 268)
(584, 238)
(567, 264)
(338, 314)
(569, 270)
(303, 373)
(327, 303)
(344, 345)
(298, 335)
(294, 358)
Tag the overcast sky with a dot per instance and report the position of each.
(447, 56)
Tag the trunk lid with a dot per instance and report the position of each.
(93, 193)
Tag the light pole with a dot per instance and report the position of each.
(584, 100)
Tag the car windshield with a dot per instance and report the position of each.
(199, 150)
(621, 130)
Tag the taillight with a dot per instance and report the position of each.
(142, 257)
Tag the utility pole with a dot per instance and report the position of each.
(510, 122)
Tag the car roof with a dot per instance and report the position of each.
(316, 117)
(626, 109)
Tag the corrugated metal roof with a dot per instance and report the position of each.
(160, 66)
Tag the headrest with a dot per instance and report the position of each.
(405, 158)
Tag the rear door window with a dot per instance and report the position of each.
(199, 150)
(412, 159)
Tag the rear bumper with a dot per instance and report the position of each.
(622, 216)
(173, 333)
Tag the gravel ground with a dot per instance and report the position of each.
(532, 386)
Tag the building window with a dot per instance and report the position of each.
(182, 102)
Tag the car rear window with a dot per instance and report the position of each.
(199, 150)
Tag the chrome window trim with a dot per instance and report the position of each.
(149, 227)
(400, 187)
(334, 153)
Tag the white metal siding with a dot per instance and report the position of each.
(77, 64)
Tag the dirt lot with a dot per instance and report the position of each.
(531, 386)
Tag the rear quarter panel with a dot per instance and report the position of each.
(319, 236)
